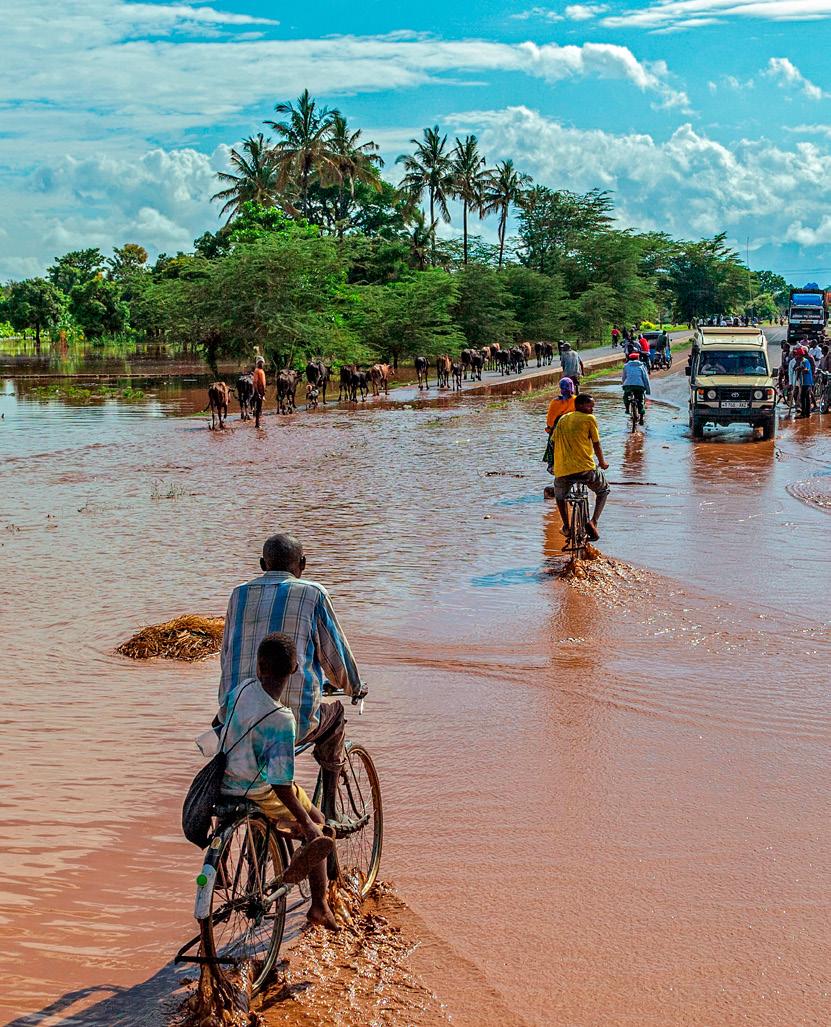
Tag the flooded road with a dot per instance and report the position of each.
(611, 801)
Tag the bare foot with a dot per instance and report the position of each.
(323, 916)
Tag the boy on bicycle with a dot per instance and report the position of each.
(259, 742)
(635, 382)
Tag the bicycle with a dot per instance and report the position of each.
(241, 898)
(577, 500)
(633, 407)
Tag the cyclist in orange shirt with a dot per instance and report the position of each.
(562, 404)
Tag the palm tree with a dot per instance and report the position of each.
(504, 189)
(470, 179)
(355, 162)
(304, 149)
(421, 238)
(257, 178)
(428, 169)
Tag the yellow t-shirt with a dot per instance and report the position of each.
(573, 444)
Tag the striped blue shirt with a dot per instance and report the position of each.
(277, 601)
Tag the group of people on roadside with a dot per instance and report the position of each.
(282, 645)
(801, 372)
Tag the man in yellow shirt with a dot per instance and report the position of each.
(576, 444)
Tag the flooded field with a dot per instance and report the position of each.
(607, 802)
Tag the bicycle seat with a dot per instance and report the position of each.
(233, 805)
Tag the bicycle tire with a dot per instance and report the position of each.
(358, 795)
(634, 416)
(240, 905)
(579, 517)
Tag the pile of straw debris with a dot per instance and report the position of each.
(186, 638)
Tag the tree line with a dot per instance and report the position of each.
(321, 256)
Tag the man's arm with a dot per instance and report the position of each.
(333, 649)
(598, 452)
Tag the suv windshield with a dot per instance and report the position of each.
(733, 363)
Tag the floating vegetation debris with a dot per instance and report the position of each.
(84, 393)
(189, 638)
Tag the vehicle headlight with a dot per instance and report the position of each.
(758, 394)
(711, 394)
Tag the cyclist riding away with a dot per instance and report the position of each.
(576, 441)
(259, 740)
(635, 381)
(572, 365)
(282, 600)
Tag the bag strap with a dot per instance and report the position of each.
(228, 718)
(250, 729)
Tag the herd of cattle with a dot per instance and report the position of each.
(356, 381)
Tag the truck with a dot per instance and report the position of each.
(731, 380)
(807, 312)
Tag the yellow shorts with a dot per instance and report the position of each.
(274, 809)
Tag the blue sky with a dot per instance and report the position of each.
(698, 115)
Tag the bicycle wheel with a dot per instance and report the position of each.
(633, 412)
(358, 804)
(248, 905)
(579, 517)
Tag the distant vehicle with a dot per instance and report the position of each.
(731, 380)
(807, 312)
(660, 354)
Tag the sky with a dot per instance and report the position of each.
(699, 116)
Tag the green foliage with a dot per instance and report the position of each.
(555, 225)
(33, 303)
(409, 318)
(484, 308)
(97, 307)
(540, 302)
(774, 285)
(593, 311)
(75, 268)
(127, 261)
(705, 278)
(255, 222)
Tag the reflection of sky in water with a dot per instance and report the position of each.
(511, 576)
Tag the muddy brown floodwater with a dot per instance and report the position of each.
(606, 801)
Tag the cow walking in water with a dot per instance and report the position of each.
(477, 362)
(318, 375)
(379, 376)
(219, 396)
(287, 381)
(245, 394)
(467, 355)
(346, 372)
(456, 372)
(444, 366)
(359, 384)
(422, 366)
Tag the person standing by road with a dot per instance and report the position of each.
(804, 376)
(282, 600)
(572, 365)
(576, 439)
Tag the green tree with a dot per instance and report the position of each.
(484, 308)
(504, 189)
(98, 308)
(127, 261)
(470, 180)
(593, 311)
(255, 179)
(429, 169)
(706, 278)
(33, 303)
(409, 318)
(541, 305)
(304, 152)
(75, 268)
(777, 286)
(355, 162)
(554, 226)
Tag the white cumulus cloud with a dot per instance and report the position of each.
(787, 75)
(675, 14)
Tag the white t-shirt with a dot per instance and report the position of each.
(265, 755)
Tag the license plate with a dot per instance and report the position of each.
(735, 404)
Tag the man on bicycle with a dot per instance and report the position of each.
(576, 444)
(635, 381)
(282, 600)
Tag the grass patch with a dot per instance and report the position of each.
(84, 393)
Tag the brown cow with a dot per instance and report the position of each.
(379, 374)
(287, 381)
(527, 349)
(444, 365)
(219, 395)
